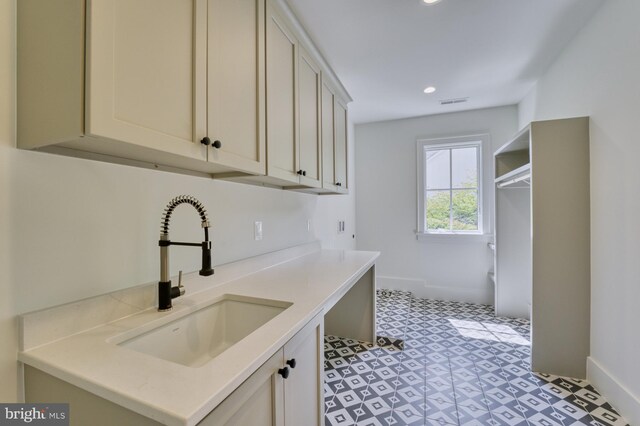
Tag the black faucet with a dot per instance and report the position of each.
(165, 292)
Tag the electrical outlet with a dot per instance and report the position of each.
(257, 230)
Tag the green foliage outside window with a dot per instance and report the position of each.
(463, 209)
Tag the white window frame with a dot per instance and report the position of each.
(479, 140)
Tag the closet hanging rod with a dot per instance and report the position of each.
(526, 178)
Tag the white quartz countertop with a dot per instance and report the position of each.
(174, 394)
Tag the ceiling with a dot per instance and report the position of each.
(386, 52)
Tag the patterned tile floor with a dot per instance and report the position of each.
(454, 364)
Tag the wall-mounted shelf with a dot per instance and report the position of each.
(513, 158)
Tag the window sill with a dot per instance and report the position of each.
(453, 238)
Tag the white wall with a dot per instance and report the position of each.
(597, 75)
(73, 228)
(442, 268)
(333, 208)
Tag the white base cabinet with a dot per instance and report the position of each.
(266, 398)
(259, 401)
(303, 390)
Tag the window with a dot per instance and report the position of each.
(449, 185)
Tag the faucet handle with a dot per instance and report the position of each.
(180, 286)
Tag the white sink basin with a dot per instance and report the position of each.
(196, 338)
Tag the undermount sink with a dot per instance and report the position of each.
(197, 338)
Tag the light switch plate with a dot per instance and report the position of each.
(257, 230)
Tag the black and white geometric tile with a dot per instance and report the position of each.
(450, 363)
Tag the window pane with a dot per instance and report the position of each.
(465, 210)
(465, 167)
(438, 205)
(437, 167)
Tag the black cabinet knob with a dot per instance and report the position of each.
(304, 173)
(299, 172)
(284, 372)
(206, 141)
(291, 363)
(338, 184)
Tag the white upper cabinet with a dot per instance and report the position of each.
(114, 77)
(236, 83)
(293, 108)
(309, 135)
(143, 77)
(340, 154)
(282, 54)
(334, 142)
(231, 88)
(328, 138)
(145, 80)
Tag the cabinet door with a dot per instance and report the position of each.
(309, 119)
(282, 150)
(328, 138)
(340, 155)
(303, 390)
(145, 85)
(236, 83)
(257, 402)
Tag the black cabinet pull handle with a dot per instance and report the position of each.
(304, 173)
(284, 372)
(291, 363)
(299, 172)
(217, 144)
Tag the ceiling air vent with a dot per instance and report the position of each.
(453, 101)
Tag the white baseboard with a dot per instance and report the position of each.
(616, 393)
(421, 289)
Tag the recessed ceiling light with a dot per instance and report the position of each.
(431, 1)
(429, 90)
